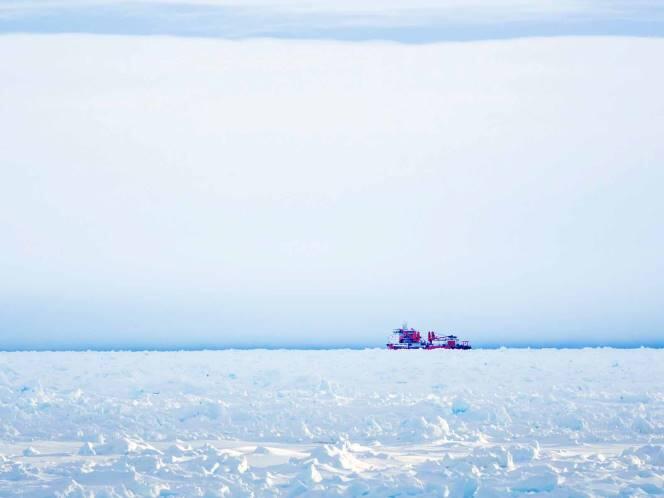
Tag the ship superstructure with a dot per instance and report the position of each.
(410, 338)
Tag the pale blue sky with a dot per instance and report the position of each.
(397, 20)
(173, 191)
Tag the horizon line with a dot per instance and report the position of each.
(325, 347)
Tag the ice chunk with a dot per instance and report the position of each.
(570, 421)
(124, 446)
(74, 490)
(460, 405)
(16, 472)
(310, 474)
(652, 454)
(87, 449)
(525, 453)
(462, 486)
(146, 463)
(242, 465)
(642, 426)
(30, 451)
(339, 456)
(534, 480)
(500, 456)
(179, 449)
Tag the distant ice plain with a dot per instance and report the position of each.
(586, 422)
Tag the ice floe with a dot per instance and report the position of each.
(556, 423)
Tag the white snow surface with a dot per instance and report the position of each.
(332, 423)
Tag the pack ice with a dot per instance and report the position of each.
(482, 423)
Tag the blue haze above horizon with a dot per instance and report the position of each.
(403, 22)
(136, 213)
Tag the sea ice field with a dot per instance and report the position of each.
(485, 423)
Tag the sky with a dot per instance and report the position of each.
(405, 21)
(218, 187)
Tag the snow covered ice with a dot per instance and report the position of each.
(505, 422)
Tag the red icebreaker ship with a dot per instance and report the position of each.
(409, 338)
